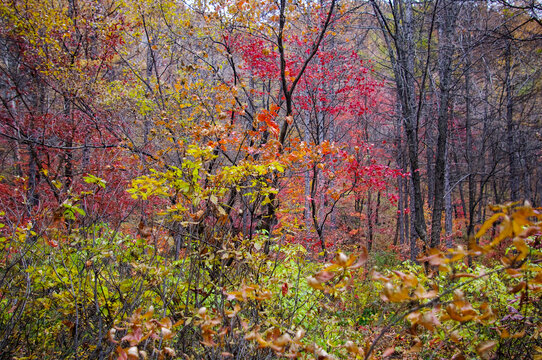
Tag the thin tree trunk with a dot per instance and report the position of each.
(400, 211)
(510, 127)
(430, 159)
(448, 222)
(447, 15)
(407, 201)
(377, 209)
(402, 57)
(414, 251)
(287, 91)
(469, 150)
(369, 221)
(401, 203)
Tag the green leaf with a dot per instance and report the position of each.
(79, 210)
(91, 179)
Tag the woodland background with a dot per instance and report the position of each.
(239, 179)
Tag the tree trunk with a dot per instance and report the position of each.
(414, 251)
(402, 56)
(369, 221)
(513, 178)
(400, 211)
(447, 15)
(448, 222)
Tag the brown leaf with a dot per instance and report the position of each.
(457, 254)
(416, 348)
(522, 215)
(518, 335)
(122, 353)
(485, 347)
(209, 342)
(232, 313)
(430, 321)
(407, 279)
(530, 231)
(166, 333)
(169, 351)
(198, 215)
(178, 323)
(379, 277)
(283, 340)
(324, 276)
(514, 272)
(518, 287)
(341, 259)
(148, 314)
(361, 260)
(435, 258)
(315, 284)
(414, 317)
(111, 335)
(474, 248)
(166, 322)
(261, 342)
(456, 338)
(133, 353)
(388, 352)
(135, 337)
(331, 267)
(395, 294)
(458, 356)
(352, 348)
(503, 333)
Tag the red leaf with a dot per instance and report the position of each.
(284, 289)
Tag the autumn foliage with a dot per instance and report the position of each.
(251, 180)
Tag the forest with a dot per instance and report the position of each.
(270, 179)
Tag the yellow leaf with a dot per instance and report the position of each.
(489, 222)
(463, 275)
(315, 284)
(522, 248)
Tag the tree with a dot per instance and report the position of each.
(446, 22)
(398, 31)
